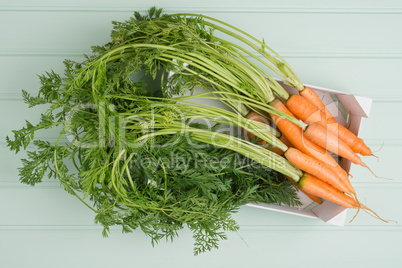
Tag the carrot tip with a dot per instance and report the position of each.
(354, 217)
(375, 215)
(375, 156)
(382, 145)
(368, 211)
(364, 165)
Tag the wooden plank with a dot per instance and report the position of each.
(228, 6)
(86, 248)
(294, 34)
(52, 206)
(355, 76)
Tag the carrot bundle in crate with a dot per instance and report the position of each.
(359, 108)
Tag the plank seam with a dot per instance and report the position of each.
(286, 54)
(370, 142)
(382, 99)
(56, 185)
(215, 9)
(242, 228)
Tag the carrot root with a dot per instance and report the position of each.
(317, 187)
(309, 113)
(375, 156)
(375, 215)
(312, 197)
(329, 141)
(364, 165)
(382, 145)
(313, 98)
(316, 168)
(259, 118)
(295, 135)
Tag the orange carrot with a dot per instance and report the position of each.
(331, 175)
(312, 197)
(309, 113)
(305, 111)
(295, 135)
(315, 167)
(325, 139)
(355, 143)
(252, 115)
(333, 167)
(313, 98)
(285, 141)
(343, 176)
(314, 186)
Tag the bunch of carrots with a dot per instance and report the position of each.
(307, 148)
(305, 144)
(308, 130)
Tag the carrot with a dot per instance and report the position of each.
(295, 135)
(313, 98)
(355, 143)
(325, 139)
(314, 186)
(285, 141)
(331, 167)
(343, 176)
(315, 167)
(326, 172)
(312, 197)
(305, 111)
(309, 113)
(252, 115)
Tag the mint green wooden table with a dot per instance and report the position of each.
(352, 46)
